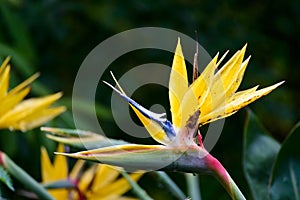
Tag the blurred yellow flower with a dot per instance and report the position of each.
(99, 182)
(17, 113)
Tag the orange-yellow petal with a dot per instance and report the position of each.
(54, 172)
(154, 129)
(29, 107)
(11, 101)
(24, 84)
(37, 118)
(236, 102)
(87, 178)
(197, 92)
(178, 85)
(76, 169)
(118, 187)
(4, 81)
(104, 176)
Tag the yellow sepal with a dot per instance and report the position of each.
(178, 85)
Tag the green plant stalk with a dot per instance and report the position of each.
(224, 178)
(193, 186)
(170, 184)
(66, 183)
(231, 188)
(136, 188)
(23, 177)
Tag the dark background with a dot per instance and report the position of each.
(54, 37)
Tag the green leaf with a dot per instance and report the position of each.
(18, 32)
(285, 180)
(5, 178)
(24, 178)
(21, 62)
(67, 183)
(140, 192)
(85, 107)
(24, 67)
(68, 132)
(84, 143)
(260, 151)
(170, 185)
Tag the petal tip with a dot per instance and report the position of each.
(178, 40)
(178, 50)
(64, 154)
(45, 128)
(280, 83)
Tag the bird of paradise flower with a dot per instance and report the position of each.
(99, 181)
(212, 96)
(19, 114)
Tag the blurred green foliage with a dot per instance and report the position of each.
(54, 37)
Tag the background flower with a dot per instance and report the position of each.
(96, 182)
(17, 113)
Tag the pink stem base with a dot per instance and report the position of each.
(224, 178)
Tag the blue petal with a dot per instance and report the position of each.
(163, 122)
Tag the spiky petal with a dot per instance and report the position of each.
(16, 113)
(178, 85)
(160, 128)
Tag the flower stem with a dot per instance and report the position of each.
(24, 178)
(224, 178)
(136, 188)
(193, 186)
(170, 185)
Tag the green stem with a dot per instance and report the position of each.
(170, 184)
(24, 178)
(224, 178)
(136, 188)
(236, 193)
(193, 186)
